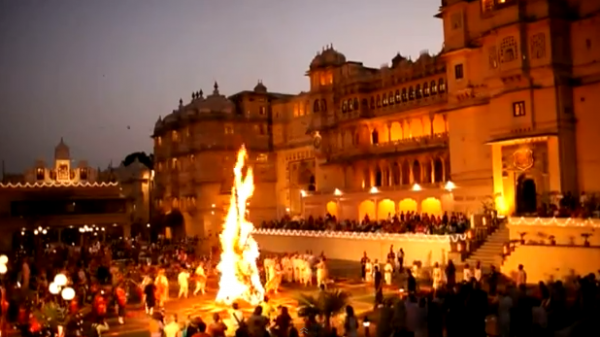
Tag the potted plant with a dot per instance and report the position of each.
(326, 304)
(542, 237)
(585, 236)
(552, 239)
(522, 235)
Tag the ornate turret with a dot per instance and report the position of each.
(201, 94)
(216, 89)
(260, 87)
(328, 57)
(62, 151)
(216, 102)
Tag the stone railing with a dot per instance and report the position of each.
(350, 246)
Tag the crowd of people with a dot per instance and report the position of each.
(570, 206)
(403, 222)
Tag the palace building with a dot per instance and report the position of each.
(56, 202)
(503, 116)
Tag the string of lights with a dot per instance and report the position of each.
(364, 236)
(58, 184)
(560, 222)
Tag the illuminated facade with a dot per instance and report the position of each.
(58, 199)
(504, 113)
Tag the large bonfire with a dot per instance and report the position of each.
(240, 279)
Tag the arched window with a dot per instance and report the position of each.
(385, 100)
(375, 137)
(427, 172)
(344, 106)
(416, 172)
(433, 87)
(391, 98)
(405, 173)
(395, 174)
(311, 184)
(323, 105)
(316, 106)
(367, 178)
(425, 89)
(40, 174)
(355, 103)
(438, 171)
(404, 95)
(350, 105)
(411, 93)
(372, 103)
(442, 86)
(398, 98)
(418, 91)
(378, 177)
(378, 101)
(364, 103)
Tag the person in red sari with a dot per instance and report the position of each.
(121, 299)
(99, 305)
(4, 308)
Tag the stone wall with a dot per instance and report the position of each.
(350, 246)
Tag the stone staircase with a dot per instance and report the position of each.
(490, 253)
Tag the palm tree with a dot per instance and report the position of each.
(327, 304)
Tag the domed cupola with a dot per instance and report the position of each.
(62, 151)
(260, 88)
(397, 60)
(327, 58)
(158, 125)
(216, 103)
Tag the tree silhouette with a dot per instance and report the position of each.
(142, 157)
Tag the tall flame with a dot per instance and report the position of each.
(240, 279)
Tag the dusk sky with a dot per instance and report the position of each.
(85, 70)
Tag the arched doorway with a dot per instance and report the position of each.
(366, 208)
(332, 208)
(378, 177)
(526, 195)
(176, 222)
(431, 206)
(386, 208)
(408, 205)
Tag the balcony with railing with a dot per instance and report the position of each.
(417, 144)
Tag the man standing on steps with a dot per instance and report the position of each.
(400, 257)
(378, 281)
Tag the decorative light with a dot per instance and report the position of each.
(416, 187)
(3, 269)
(104, 229)
(213, 205)
(40, 228)
(22, 233)
(44, 232)
(337, 192)
(58, 184)
(81, 229)
(570, 222)
(3, 259)
(35, 232)
(54, 288)
(374, 190)
(302, 193)
(67, 294)
(287, 209)
(60, 280)
(449, 186)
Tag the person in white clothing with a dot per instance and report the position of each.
(267, 267)
(477, 273)
(521, 276)
(321, 272)
(184, 286)
(437, 276)
(388, 270)
(467, 273)
(200, 280)
(308, 273)
(369, 272)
